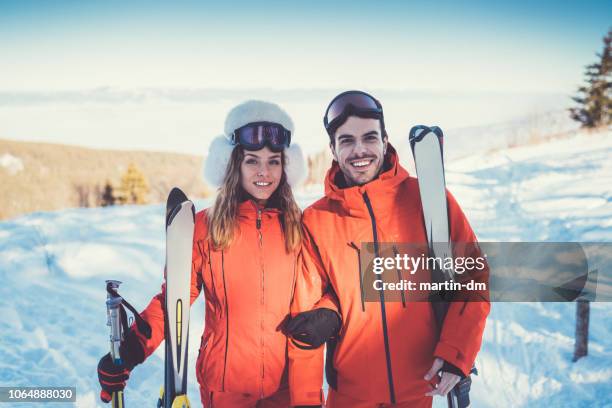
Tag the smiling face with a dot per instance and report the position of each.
(260, 173)
(359, 148)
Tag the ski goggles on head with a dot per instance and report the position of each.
(356, 101)
(254, 136)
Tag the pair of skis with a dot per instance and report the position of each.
(427, 148)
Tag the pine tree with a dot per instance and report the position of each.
(134, 187)
(108, 195)
(595, 99)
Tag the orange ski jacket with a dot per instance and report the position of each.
(384, 348)
(247, 291)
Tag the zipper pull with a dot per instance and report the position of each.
(259, 218)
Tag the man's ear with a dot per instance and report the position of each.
(385, 144)
(333, 150)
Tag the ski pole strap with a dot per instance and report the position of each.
(461, 393)
(124, 320)
(142, 325)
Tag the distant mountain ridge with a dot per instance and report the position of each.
(42, 176)
(45, 177)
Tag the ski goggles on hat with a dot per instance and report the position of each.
(255, 136)
(351, 101)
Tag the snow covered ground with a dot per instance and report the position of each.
(558, 191)
(11, 163)
(53, 267)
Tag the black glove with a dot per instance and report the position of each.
(113, 377)
(314, 327)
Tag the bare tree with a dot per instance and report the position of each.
(82, 192)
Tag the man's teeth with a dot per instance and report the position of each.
(262, 183)
(361, 163)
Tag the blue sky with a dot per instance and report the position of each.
(162, 75)
(514, 46)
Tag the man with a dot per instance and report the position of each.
(386, 354)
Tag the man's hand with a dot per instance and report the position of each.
(447, 381)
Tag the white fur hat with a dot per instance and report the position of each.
(221, 147)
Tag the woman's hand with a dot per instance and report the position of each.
(113, 377)
(314, 327)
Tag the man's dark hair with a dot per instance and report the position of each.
(350, 112)
(353, 103)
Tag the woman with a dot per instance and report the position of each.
(244, 257)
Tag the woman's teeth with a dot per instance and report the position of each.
(262, 183)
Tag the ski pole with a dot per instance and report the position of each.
(113, 304)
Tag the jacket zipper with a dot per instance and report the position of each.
(352, 245)
(262, 299)
(399, 276)
(214, 296)
(382, 303)
(226, 319)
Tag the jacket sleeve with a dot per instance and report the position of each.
(311, 291)
(463, 327)
(154, 312)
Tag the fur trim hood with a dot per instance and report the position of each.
(221, 147)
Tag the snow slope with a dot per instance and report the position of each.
(557, 191)
(53, 267)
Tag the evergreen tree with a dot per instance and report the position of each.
(108, 195)
(595, 99)
(134, 187)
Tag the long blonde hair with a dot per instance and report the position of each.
(222, 219)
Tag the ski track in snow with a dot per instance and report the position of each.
(54, 264)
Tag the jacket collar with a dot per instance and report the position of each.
(384, 185)
(249, 208)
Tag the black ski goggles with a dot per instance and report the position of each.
(254, 136)
(357, 102)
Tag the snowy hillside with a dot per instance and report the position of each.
(558, 191)
(53, 267)
(460, 142)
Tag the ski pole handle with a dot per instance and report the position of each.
(113, 304)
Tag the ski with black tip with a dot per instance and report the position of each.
(427, 149)
(180, 223)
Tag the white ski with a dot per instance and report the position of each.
(180, 223)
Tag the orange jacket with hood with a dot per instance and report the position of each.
(384, 348)
(247, 291)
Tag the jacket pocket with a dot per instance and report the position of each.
(202, 356)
